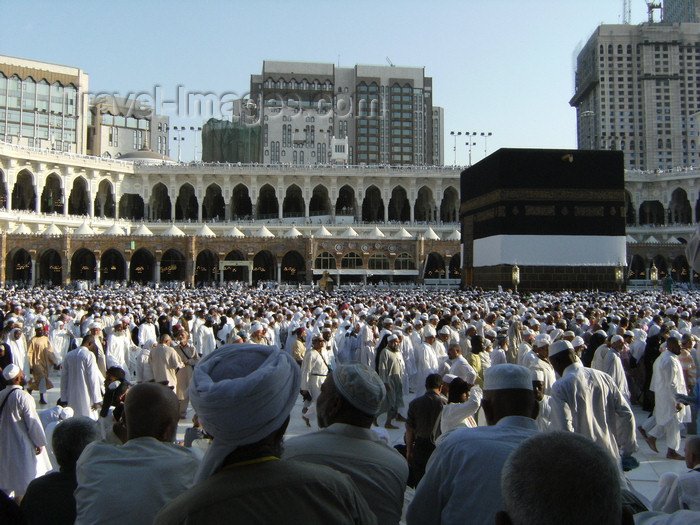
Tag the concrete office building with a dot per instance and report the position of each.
(43, 105)
(117, 126)
(637, 91)
(385, 112)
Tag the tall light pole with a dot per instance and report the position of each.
(486, 135)
(196, 130)
(470, 144)
(179, 139)
(455, 134)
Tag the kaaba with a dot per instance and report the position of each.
(538, 219)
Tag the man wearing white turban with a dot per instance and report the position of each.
(243, 395)
(22, 438)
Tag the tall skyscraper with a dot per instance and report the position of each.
(385, 112)
(681, 11)
(638, 90)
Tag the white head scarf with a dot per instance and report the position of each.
(241, 394)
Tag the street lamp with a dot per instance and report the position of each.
(654, 274)
(455, 134)
(196, 130)
(179, 139)
(515, 277)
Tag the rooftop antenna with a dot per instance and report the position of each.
(388, 61)
(626, 11)
(651, 6)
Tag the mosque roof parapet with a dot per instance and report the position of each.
(84, 229)
(173, 231)
(205, 231)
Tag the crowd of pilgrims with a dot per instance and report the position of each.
(356, 357)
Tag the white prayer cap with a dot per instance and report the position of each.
(392, 337)
(429, 331)
(66, 413)
(560, 346)
(578, 341)
(433, 316)
(447, 378)
(445, 330)
(360, 386)
(507, 376)
(537, 375)
(10, 372)
(534, 322)
(242, 393)
(542, 340)
(255, 327)
(615, 339)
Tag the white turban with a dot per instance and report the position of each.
(241, 394)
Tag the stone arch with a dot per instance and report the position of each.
(267, 206)
(112, 266)
(325, 261)
(131, 206)
(345, 204)
(351, 261)
(236, 273)
(651, 212)
(50, 267)
(449, 207)
(159, 203)
(142, 266)
(3, 190)
(630, 216)
(172, 266)
(680, 269)
(23, 192)
(52, 195)
(293, 203)
(661, 265)
(434, 266)
(206, 267)
(241, 205)
(78, 200)
(455, 268)
(293, 267)
(320, 203)
(104, 200)
(637, 268)
(679, 211)
(264, 266)
(213, 204)
(378, 261)
(404, 261)
(399, 207)
(83, 265)
(18, 266)
(186, 204)
(373, 205)
(424, 209)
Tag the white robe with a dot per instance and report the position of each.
(81, 382)
(147, 335)
(612, 365)
(20, 434)
(207, 341)
(426, 364)
(119, 352)
(588, 402)
(667, 381)
(18, 348)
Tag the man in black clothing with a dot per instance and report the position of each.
(49, 499)
(423, 412)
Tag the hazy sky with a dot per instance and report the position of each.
(504, 66)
